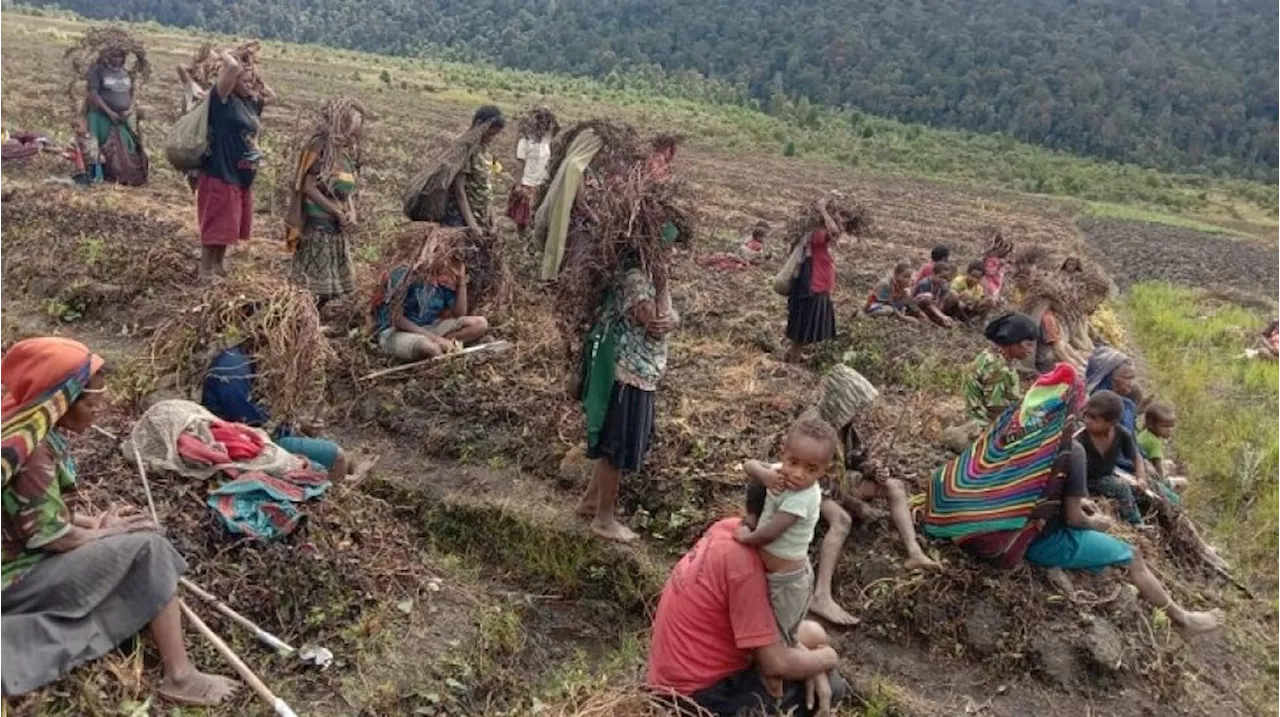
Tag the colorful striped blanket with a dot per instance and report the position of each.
(997, 482)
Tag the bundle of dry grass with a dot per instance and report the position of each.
(431, 248)
(90, 49)
(854, 218)
(631, 213)
(206, 63)
(279, 326)
(621, 146)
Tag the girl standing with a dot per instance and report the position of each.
(811, 316)
(322, 212)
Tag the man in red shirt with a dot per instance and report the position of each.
(716, 641)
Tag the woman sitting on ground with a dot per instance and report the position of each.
(1021, 492)
(421, 312)
(77, 585)
(322, 210)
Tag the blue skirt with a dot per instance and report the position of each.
(1077, 549)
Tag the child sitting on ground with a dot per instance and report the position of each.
(971, 300)
(933, 294)
(940, 253)
(1159, 421)
(782, 514)
(892, 296)
(1105, 441)
(752, 249)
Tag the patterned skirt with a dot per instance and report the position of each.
(322, 262)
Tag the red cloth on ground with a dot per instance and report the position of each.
(242, 442)
(824, 266)
(224, 211)
(713, 614)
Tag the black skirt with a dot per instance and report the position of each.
(628, 428)
(811, 318)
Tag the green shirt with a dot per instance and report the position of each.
(991, 384)
(479, 185)
(806, 505)
(34, 512)
(1150, 445)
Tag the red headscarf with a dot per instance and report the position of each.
(41, 378)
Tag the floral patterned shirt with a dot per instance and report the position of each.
(34, 512)
(640, 358)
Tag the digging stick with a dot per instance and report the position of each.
(494, 345)
(280, 706)
(265, 637)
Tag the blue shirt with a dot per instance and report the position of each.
(228, 389)
(423, 304)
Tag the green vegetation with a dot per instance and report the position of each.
(1227, 407)
(1106, 210)
(1178, 85)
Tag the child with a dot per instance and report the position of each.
(892, 296)
(933, 294)
(1159, 420)
(940, 253)
(782, 513)
(1104, 442)
(845, 393)
(971, 300)
(752, 250)
(811, 317)
(994, 261)
(85, 154)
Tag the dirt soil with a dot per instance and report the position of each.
(455, 581)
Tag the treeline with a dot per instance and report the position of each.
(1175, 84)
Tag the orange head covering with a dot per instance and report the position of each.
(41, 378)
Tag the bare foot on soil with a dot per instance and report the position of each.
(827, 609)
(197, 689)
(921, 562)
(1199, 623)
(612, 530)
(1060, 580)
(585, 508)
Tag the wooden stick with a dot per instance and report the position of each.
(146, 485)
(493, 345)
(280, 706)
(265, 637)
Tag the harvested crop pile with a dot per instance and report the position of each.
(99, 41)
(276, 320)
(855, 218)
(621, 146)
(62, 245)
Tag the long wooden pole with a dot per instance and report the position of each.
(265, 637)
(281, 707)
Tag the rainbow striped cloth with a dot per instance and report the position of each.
(996, 483)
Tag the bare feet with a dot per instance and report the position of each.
(1199, 623)
(197, 688)
(585, 509)
(1060, 580)
(361, 469)
(921, 562)
(610, 529)
(827, 609)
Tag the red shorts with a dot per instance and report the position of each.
(225, 211)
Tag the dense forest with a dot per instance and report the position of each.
(1176, 84)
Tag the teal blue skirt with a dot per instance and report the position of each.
(1077, 549)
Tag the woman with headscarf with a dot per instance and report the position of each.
(1112, 370)
(112, 116)
(322, 211)
(77, 585)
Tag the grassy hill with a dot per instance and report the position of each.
(455, 581)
